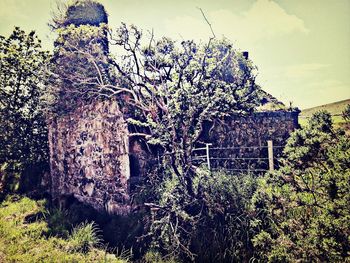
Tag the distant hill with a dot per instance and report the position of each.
(334, 108)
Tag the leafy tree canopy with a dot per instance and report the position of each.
(23, 134)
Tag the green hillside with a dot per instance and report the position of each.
(335, 108)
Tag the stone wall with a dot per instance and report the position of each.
(93, 160)
(247, 136)
(251, 130)
(90, 157)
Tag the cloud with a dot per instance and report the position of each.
(264, 19)
(304, 70)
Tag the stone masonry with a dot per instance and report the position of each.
(89, 151)
(246, 137)
(251, 130)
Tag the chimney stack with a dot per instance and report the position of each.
(245, 54)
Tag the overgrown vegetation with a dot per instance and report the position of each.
(24, 237)
(304, 206)
(299, 213)
(166, 90)
(214, 226)
(23, 132)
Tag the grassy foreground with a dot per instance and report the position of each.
(23, 237)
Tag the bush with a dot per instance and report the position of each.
(212, 227)
(303, 208)
(224, 232)
(346, 113)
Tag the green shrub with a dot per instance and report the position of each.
(224, 231)
(214, 226)
(23, 129)
(303, 208)
(346, 113)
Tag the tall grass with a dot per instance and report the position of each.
(23, 240)
(84, 237)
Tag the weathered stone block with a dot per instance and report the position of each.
(88, 160)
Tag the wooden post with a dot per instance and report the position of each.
(208, 156)
(270, 155)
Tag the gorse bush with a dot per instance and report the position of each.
(214, 226)
(304, 207)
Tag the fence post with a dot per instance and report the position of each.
(270, 155)
(208, 156)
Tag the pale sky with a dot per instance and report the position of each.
(301, 47)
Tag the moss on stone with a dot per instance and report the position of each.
(86, 12)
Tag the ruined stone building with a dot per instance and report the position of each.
(93, 159)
